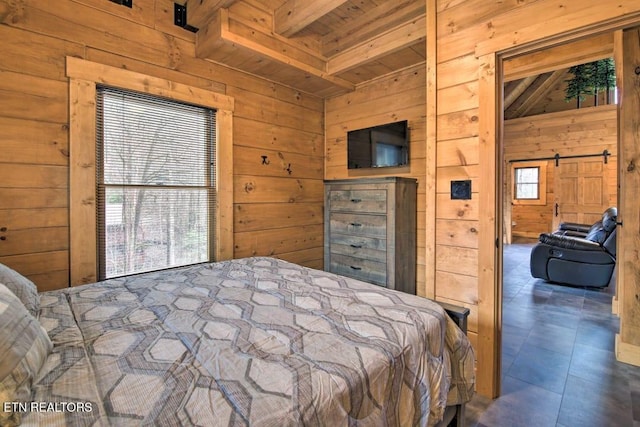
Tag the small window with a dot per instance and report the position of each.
(529, 183)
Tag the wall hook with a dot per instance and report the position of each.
(265, 160)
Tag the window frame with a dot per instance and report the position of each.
(83, 77)
(542, 183)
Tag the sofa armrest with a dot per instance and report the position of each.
(457, 313)
(572, 226)
(569, 242)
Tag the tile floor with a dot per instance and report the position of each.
(558, 362)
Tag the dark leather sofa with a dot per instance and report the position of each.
(578, 254)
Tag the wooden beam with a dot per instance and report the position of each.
(400, 37)
(295, 15)
(490, 226)
(534, 93)
(563, 56)
(251, 51)
(200, 12)
(513, 91)
(375, 21)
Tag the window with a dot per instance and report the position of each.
(155, 171)
(84, 191)
(529, 183)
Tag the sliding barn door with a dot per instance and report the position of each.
(581, 189)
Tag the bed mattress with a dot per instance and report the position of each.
(255, 341)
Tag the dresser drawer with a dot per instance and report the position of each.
(361, 269)
(359, 246)
(374, 201)
(358, 225)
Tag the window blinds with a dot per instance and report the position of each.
(155, 182)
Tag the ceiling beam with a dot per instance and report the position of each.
(534, 93)
(200, 12)
(376, 21)
(558, 57)
(295, 15)
(513, 90)
(400, 37)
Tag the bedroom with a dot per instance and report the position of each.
(295, 129)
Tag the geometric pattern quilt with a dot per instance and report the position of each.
(248, 342)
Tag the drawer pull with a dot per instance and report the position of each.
(355, 268)
(356, 224)
(356, 246)
(356, 200)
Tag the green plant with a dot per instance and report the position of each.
(591, 79)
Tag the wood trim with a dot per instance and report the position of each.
(629, 236)
(627, 353)
(489, 273)
(131, 80)
(554, 30)
(83, 77)
(618, 58)
(431, 150)
(224, 186)
(82, 182)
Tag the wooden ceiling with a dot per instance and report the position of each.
(322, 47)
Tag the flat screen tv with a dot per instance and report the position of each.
(378, 146)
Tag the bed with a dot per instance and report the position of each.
(255, 341)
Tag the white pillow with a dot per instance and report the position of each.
(21, 287)
(24, 346)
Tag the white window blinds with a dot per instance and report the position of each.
(155, 183)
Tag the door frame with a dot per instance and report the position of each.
(491, 123)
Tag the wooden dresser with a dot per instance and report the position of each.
(370, 230)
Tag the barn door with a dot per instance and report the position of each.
(580, 190)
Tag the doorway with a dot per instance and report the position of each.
(550, 168)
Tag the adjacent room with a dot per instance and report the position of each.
(320, 212)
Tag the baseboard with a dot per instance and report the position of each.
(614, 306)
(627, 353)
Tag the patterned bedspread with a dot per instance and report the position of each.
(254, 341)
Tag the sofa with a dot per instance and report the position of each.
(578, 254)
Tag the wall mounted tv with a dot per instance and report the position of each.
(378, 146)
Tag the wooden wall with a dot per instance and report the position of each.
(278, 206)
(470, 34)
(567, 133)
(399, 96)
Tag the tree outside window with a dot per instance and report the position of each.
(154, 183)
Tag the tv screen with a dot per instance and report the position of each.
(378, 146)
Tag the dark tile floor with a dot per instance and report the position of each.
(558, 362)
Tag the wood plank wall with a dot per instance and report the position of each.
(468, 33)
(399, 96)
(278, 206)
(568, 133)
